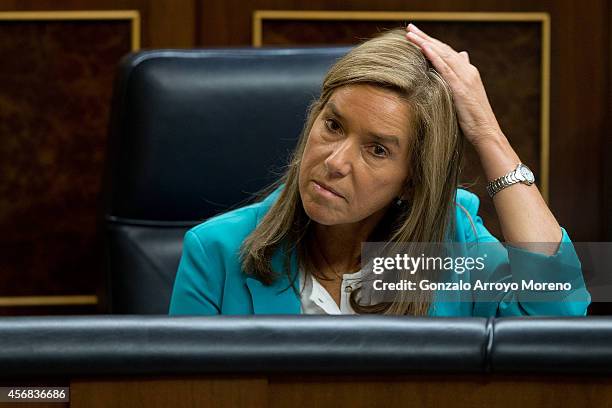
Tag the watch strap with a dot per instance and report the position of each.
(503, 182)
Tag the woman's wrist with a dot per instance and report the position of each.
(496, 156)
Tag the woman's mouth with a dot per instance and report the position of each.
(326, 191)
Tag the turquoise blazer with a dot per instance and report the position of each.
(210, 280)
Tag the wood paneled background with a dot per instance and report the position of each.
(49, 166)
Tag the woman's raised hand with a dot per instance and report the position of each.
(474, 111)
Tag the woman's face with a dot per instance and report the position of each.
(358, 147)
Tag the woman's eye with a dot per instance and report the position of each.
(379, 151)
(332, 125)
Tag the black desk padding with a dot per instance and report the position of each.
(162, 345)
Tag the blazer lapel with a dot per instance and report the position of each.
(273, 299)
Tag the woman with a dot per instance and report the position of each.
(378, 160)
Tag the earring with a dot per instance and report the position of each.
(399, 202)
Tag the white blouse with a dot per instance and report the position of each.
(315, 299)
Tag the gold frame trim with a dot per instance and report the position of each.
(131, 15)
(24, 301)
(544, 18)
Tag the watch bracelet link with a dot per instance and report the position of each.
(502, 182)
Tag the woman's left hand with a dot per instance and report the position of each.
(474, 111)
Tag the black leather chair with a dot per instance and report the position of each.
(194, 133)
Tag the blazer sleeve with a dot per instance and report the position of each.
(513, 264)
(198, 286)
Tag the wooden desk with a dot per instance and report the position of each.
(339, 391)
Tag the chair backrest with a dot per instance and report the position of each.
(194, 133)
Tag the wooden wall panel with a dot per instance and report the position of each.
(165, 23)
(55, 88)
(54, 104)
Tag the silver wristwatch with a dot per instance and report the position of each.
(522, 174)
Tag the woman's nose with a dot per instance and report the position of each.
(339, 162)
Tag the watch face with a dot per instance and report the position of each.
(527, 173)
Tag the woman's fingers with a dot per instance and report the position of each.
(412, 28)
(465, 55)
